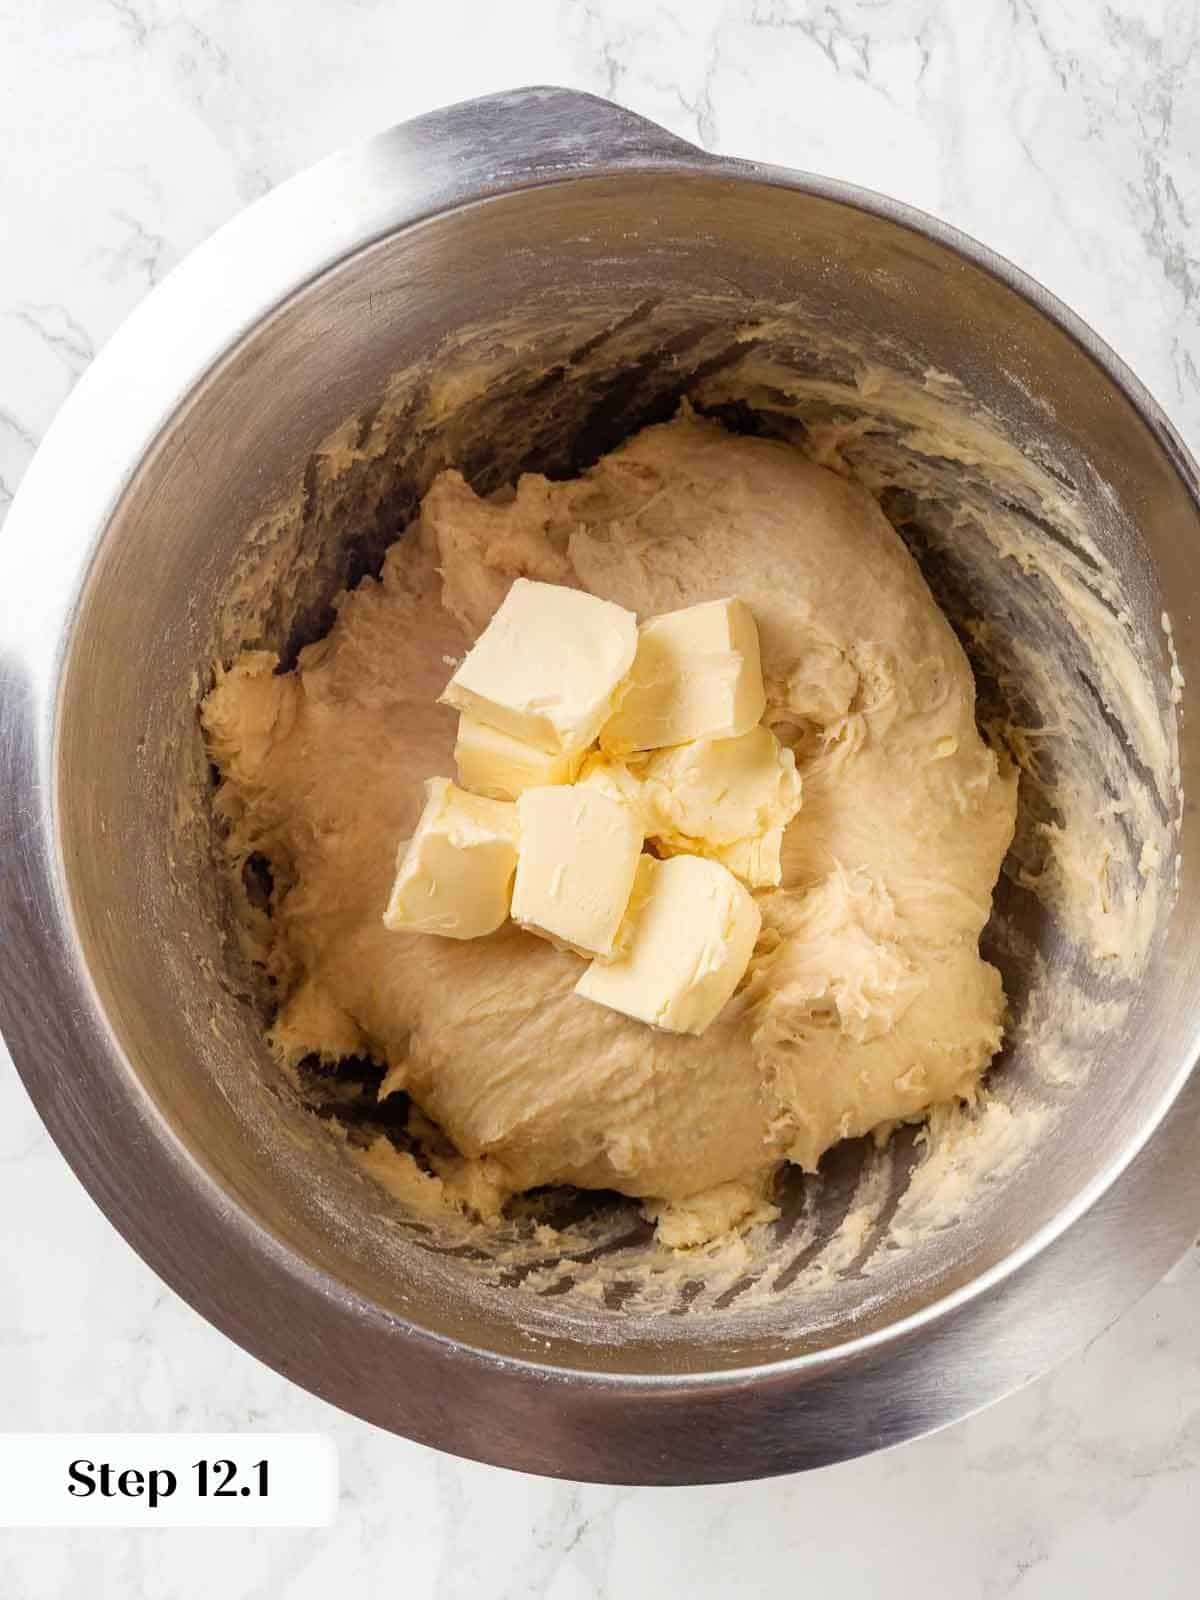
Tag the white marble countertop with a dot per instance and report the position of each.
(1065, 135)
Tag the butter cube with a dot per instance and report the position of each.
(615, 778)
(454, 877)
(757, 861)
(692, 928)
(493, 763)
(696, 675)
(718, 795)
(546, 667)
(578, 855)
(729, 799)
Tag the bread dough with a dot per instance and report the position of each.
(866, 1001)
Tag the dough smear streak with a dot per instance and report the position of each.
(866, 1001)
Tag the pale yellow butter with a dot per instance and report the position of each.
(547, 666)
(696, 675)
(729, 799)
(690, 936)
(757, 861)
(454, 876)
(578, 855)
(726, 798)
(618, 780)
(493, 763)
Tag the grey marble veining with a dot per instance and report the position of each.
(1064, 133)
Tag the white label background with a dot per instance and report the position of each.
(302, 1478)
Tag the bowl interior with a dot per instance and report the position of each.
(533, 332)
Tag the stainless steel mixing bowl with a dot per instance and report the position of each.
(519, 282)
